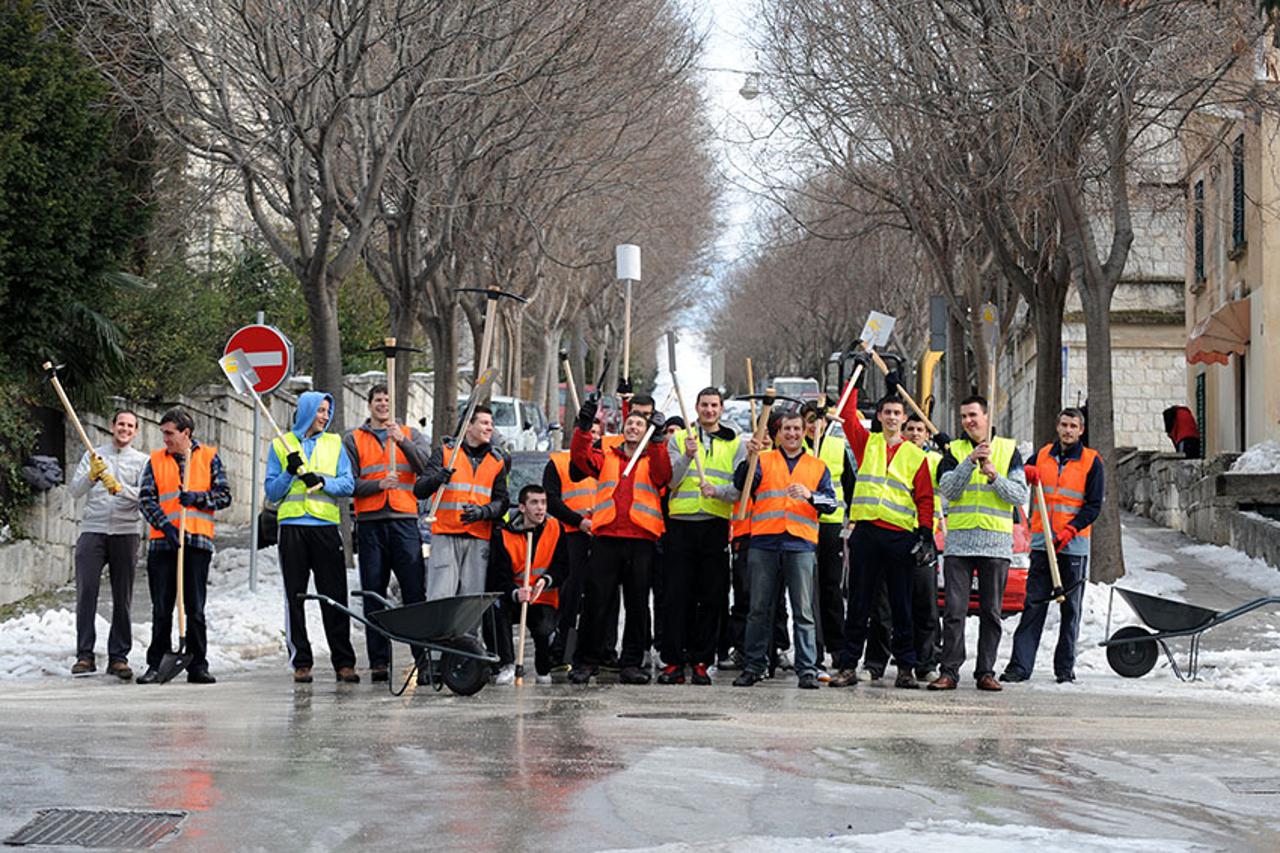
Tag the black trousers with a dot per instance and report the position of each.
(119, 552)
(881, 556)
(614, 559)
(695, 588)
(541, 624)
(924, 622)
(578, 547)
(306, 549)
(162, 581)
(828, 598)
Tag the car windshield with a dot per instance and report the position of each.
(798, 388)
(526, 467)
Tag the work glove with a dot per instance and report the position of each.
(924, 551)
(658, 421)
(311, 479)
(110, 483)
(293, 463)
(472, 513)
(171, 534)
(587, 414)
(97, 467)
(892, 380)
(1060, 541)
(188, 498)
(624, 386)
(1033, 475)
(941, 440)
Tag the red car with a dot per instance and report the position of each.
(1015, 589)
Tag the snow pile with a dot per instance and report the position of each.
(246, 629)
(1262, 458)
(1238, 566)
(947, 836)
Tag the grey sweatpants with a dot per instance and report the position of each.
(119, 552)
(458, 565)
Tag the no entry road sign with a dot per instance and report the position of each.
(270, 354)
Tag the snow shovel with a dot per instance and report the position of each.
(1059, 594)
(524, 606)
(175, 662)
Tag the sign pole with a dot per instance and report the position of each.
(253, 492)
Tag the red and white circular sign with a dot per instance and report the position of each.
(270, 354)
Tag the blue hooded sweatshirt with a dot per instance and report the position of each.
(279, 480)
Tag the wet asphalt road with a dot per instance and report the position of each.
(263, 765)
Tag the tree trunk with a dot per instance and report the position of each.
(1106, 563)
(405, 328)
(957, 374)
(1048, 392)
(326, 343)
(442, 333)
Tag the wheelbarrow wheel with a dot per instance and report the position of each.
(1133, 659)
(465, 675)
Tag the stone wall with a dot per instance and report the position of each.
(42, 560)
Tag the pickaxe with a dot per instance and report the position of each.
(51, 373)
(524, 605)
(644, 442)
(990, 332)
(468, 411)
(240, 373)
(492, 294)
(684, 413)
(1059, 594)
(389, 349)
(568, 376)
(751, 389)
(753, 458)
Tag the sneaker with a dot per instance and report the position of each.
(633, 675)
(824, 677)
(302, 675)
(581, 674)
(201, 676)
(925, 674)
(808, 681)
(542, 679)
(84, 666)
(845, 678)
(726, 663)
(120, 670)
(506, 675)
(785, 661)
(700, 675)
(906, 679)
(1012, 676)
(874, 674)
(379, 674)
(347, 675)
(746, 679)
(672, 674)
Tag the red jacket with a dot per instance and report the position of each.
(588, 459)
(922, 493)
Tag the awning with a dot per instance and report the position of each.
(1222, 333)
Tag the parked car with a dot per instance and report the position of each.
(518, 424)
(800, 387)
(1015, 588)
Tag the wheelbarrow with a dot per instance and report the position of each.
(446, 626)
(1132, 651)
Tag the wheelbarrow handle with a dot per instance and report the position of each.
(359, 617)
(364, 593)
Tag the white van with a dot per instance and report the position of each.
(517, 424)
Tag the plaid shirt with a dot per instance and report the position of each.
(218, 497)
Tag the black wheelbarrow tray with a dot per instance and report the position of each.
(1132, 651)
(446, 626)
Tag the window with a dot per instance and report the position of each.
(1197, 206)
(1237, 193)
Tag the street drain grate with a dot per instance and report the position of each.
(97, 828)
(695, 716)
(1245, 785)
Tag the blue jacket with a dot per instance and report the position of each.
(279, 480)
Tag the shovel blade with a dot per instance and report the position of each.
(172, 664)
(1060, 594)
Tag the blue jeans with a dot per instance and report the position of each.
(769, 569)
(1026, 640)
(390, 545)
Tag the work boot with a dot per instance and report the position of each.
(379, 674)
(347, 675)
(120, 670)
(84, 666)
(151, 676)
(988, 682)
(700, 674)
(946, 682)
(746, 679)
(201, 676)
(906, 679)
(302, 675)
(845, 678)
(633, 675)
(672, 674)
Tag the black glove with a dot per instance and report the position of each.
(587, 414)
(171, 534)
(658, 420)
(892, 380)
(293, 463)
(187, 498)
(311, 479)
(941, 440)
(924, 551)
(624, 386)
(472, 513)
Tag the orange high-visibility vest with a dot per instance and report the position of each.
(169, 482)
(1063, 490)
(774, 512)
(739, 527)
(646, 503)
(373, 466)
(578, 495)
(609, 442)
(467, 487)
(542, 554)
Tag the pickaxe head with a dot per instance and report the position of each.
(51, 369)
(389, 348)
(769, 399)
(671, 351)
(492, 293)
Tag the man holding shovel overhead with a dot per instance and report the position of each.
(1071, 476)
(307, 472)
(170, 497)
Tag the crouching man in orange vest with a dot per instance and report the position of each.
(548, 568)
(790, 490)
(160, 500)
(625, 526)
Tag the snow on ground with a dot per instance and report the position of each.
(246, 629)
(946, 836)
(1262, 458)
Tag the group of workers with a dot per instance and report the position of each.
(701, 535)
